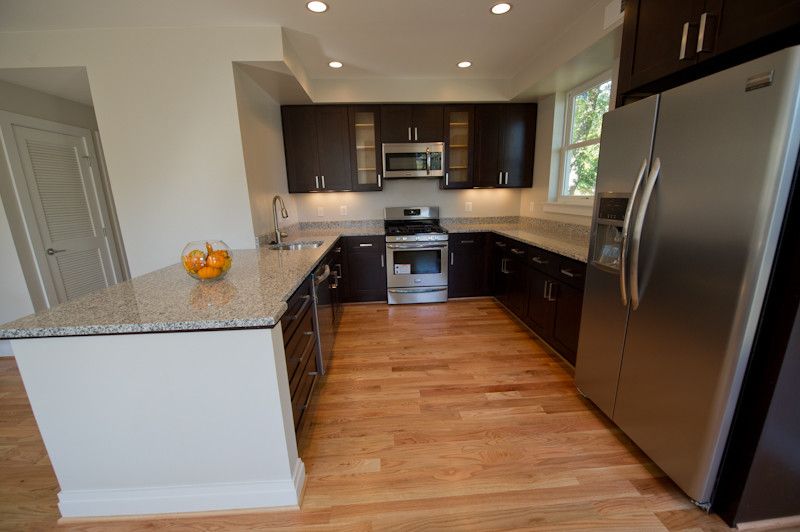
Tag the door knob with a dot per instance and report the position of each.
(51, 251)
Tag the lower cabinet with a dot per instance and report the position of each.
(467, 272)
(300, 346)
(364, 269)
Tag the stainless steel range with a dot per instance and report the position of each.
(416, 255)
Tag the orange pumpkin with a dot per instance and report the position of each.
(209, 273)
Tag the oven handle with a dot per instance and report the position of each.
(416, 290)
(416, 246)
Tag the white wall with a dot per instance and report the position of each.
(401, 192)
(262, 144)
(14, 299)
(166, 107)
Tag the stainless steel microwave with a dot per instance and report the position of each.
(413, 159)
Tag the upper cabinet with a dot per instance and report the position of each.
(459, 131)
(504, 145)
(317, 145)
(365, 127)
(665, 44)
(411, 123)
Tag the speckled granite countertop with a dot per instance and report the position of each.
(568, 244)
(253, 294)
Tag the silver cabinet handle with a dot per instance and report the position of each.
(365, 245)
(550, 292)
(323, 181)
(500, 244)
(383, 261)
(506, 178)
(701, 35)
(416, 136)
(684, 43)
(568, 273)
(516, 251)
(467, 241)
(626, 225)
(409, 132)
(637, 231)
(316, 180)
(51, 251)
(546, 285)
(452, 258)
(537, 260)
(446, 178)
(500, 178)
(379, 181)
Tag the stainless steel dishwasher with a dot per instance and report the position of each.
(325, 315)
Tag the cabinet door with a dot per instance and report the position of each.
(541, 313)
(517, 144)
(499, 277)
(467, 271)
(652, 40)
(740, 22)
(300, 145)
(568, 304)
(517, 274)
(396, 123)
(333, 145)
(459, 126)
(366, 268)
(427, 122)
(488, 124)
(365, 148)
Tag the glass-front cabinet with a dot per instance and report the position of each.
(366, 147)
(459, 122)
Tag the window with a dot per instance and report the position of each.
(580, 150)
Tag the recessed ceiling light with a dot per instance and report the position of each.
(317, 7)
(335, 64)
(465, 64)
(500, 9)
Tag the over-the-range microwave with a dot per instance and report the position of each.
(413, 159)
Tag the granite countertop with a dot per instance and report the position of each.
(253, 294)
(566, 243)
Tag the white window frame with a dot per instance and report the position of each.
(560, 197)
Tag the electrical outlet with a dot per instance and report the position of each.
(320, 211)
(468, 206)
(343, 210)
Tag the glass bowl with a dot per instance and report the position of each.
(207, 260)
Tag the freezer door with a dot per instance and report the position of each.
(625, 144)
(727, 145)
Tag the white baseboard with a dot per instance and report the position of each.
(299, 479)
(177, 499)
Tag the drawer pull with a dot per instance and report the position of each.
(537, 260)
(500, 244)
(365, 245)
(306, 300)
(467, 241)
(516, 251)
(569, 273)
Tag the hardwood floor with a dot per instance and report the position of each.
(432, 417)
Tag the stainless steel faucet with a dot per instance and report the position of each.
(284, 214)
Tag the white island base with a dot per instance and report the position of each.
(165, 422)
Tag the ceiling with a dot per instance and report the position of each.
(389, 39)
(70, 83)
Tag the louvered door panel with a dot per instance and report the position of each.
(66, 211)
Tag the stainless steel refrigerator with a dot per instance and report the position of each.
(691, 193)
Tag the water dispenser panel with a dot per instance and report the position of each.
(612, 209)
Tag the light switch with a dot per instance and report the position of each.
(320, 211)
(468, 206)
(343, 210)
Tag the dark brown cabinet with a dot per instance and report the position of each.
(467, 275)
(665, 44)
(317, 146)
(412, 123)
(364, 275)
(459, 133)
(541, 311)
(366, 159)
(504, 145)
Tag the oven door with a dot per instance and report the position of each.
(416, 265)
(413, 160)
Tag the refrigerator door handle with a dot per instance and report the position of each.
(626, 226)
(637, 231)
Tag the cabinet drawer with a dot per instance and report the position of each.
(518, 251)
(467, 241)
(366, 243)
(298, 304)
(304, 388)
(571, 272)
(299, 345)
(544, 261)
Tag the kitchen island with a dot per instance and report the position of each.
(163, 394)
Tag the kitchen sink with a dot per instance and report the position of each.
(294, 246)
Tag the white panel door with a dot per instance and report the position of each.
(66, 202)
